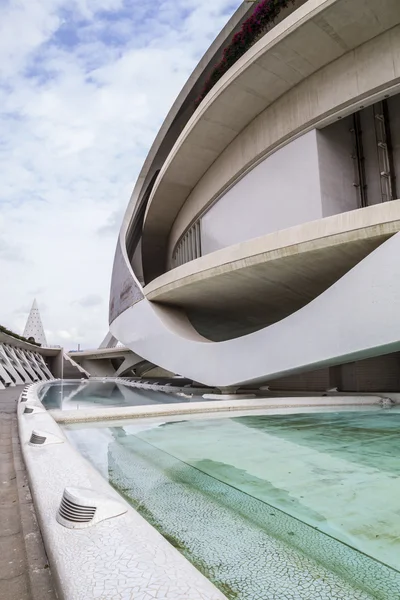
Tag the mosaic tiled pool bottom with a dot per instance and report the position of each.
(272, 507)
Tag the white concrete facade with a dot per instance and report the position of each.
(19, 366)
(24, 362)
(300, 137)
(273, 201)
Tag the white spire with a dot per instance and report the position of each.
(34, 327)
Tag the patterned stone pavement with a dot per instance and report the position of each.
(24, 571)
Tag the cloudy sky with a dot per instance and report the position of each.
(84, 87)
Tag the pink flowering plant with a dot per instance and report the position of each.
(258, 23)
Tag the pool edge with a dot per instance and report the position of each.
(73, 575)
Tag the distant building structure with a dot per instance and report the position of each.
(34, 326)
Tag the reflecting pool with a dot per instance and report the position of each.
(274, 506)
(99, 394)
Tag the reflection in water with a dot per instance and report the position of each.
(91, 394)
(276, 506)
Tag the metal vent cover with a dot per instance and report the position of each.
(80, 508)
(44, 438)
(76, 513)
(33, 407)
(37, 439)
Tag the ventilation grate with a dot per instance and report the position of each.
(76, 513)
(37, 439)
(80, 508)
(28, 410)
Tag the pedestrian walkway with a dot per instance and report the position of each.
(24, 571)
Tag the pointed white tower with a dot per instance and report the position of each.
(34, 327)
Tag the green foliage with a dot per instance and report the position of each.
(256, 25)
(18, 337)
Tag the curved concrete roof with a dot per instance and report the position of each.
(123, 277)
(278, 62)
(188, 94)
(99, 353)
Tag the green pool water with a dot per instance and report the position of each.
(272, 506)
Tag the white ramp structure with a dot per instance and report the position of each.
(109, 341)
(34, 327)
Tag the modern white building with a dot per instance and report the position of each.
(261, 244)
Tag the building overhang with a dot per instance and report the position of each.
(313, 36)
(266, 279)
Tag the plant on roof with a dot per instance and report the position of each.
(18, 337)
(256, 25)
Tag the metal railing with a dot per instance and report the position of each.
(189, 247)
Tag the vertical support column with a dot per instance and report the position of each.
(193, 242)
(199, 234)
(384, 149)
(189, 244)
(189, 247)
(359, 161)
(184, 246)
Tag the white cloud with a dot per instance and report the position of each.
(80, 105)
(89, 301)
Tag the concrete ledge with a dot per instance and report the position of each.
(121, 558)
(41, 584)
(372, 222)
(222, 406)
